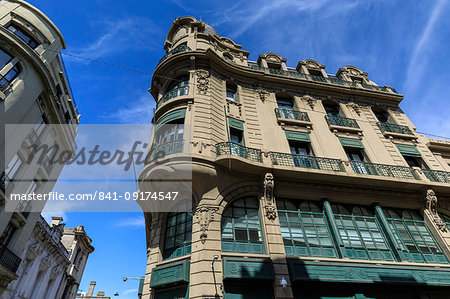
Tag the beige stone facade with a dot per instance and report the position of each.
(53, 262)
(278, 134)
(34, 90)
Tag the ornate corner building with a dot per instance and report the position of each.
(304, 184)
(34, 92)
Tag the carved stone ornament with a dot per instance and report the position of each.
(310, 100)
(262, 94)
(202, 81)
(204, 215)
(269, 205)
(431, 206)
(355, 107)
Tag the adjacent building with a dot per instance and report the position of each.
(34, 90)
(305, 184)
(53, 262)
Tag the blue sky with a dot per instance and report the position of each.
(403, 44)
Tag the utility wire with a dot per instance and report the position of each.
(171, 78)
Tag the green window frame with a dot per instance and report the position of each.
(241, 227)
(304, 229)
(446, 219)
(413, 236)
(178, 237)
(361, 233)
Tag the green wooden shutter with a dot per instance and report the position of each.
(408, 150)
(297, 136)
(351, 142)
(235, 124)
(171, 116)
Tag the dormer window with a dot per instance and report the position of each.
(26, 37)
(315, 73)
(357, 80)
(228, 57)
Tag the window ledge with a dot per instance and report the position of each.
(346, 129)
(399, 135)
(244, 255)
(283, 121)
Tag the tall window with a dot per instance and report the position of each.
(381, 115)
(8, 234)
(332, 110)
(285, 103)
(231, 92)
(304, 229)
(241, 227)
(26, 37)
(414, 237)
(12, 168)
(169, 133)
(178, 236)
(361, 233)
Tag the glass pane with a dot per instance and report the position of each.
(240, 235)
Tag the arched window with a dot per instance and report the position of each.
(332, 109)
(177, 241)
(241, 227)
(231, 92)
(304, 229)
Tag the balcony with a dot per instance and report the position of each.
(293, 160)
(392, 128)
(235, 149)
(399, 172)
(165, 149)
(341, 121)
(330, 80)
(437, 176)
(176, 92)
(291, 114)
(8, 259)
(179, 49)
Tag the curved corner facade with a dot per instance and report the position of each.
(305, 184)
(34, 90)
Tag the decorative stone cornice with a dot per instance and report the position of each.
(204, 214)
(431, 206)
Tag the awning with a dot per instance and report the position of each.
(171, 116)
(297, 136)
(351, 142)
(235, 124)
(408, 150)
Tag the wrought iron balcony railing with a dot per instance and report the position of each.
(235, 149)
(176, 92)
(384, 170)
(437, 176)
(165, 149)
(342, 121)
(392, 128)
(179, 49)
(8, 259)
(291, 114)
(330, 80)
(306, 161)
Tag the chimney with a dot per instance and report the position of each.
(91, 288)
(101, 294)
(56, 220)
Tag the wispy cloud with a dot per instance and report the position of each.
(119, 36)
(419, 56)
(132, 112)
(137, 222)
(129, 291)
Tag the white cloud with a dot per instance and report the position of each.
(418, 60)
(132, 112)
(129, 291)
(131, 222)
(119, 36)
